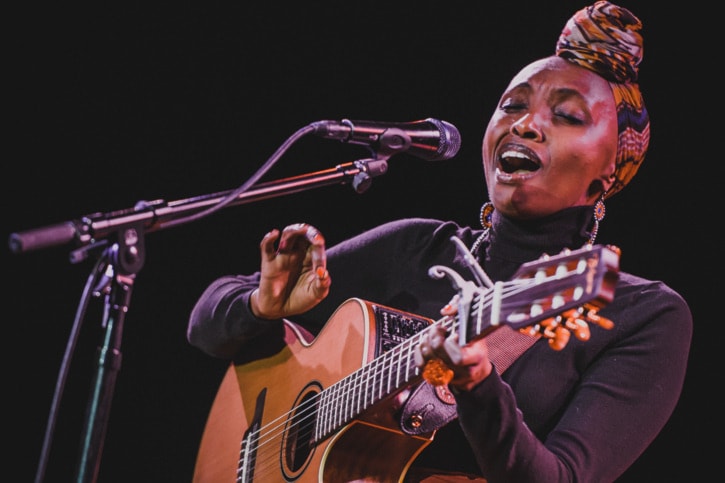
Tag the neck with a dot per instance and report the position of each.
(511, 242)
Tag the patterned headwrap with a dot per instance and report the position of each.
(605, 38)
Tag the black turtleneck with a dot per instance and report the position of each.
(584, 413)
(510, 243)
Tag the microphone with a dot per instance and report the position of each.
(428, 139)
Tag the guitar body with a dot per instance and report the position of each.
(270, 393)
(327, 409)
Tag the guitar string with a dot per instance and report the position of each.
(304, 422)
(318, 405)
(341, 389)
(365, 382)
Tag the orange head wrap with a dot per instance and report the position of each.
(605, 38)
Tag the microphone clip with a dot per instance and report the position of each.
(368, 169)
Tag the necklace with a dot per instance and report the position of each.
(477, 244)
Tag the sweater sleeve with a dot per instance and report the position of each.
(223, 304)
(387, 264)
(625, 393)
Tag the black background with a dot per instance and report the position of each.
(113, 104)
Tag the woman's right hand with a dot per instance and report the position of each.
(294, 275)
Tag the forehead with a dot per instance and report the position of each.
(557, 73)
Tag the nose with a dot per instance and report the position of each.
(526, 128)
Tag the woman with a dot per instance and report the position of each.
(569, 131)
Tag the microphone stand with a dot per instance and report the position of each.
(122, 261)
(124, 258)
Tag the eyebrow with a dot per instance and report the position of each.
(559, 92)
(568, 92)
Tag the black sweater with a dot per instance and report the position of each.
(583, 414)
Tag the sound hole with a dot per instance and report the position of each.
(298, 444)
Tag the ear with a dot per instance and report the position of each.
(602, 183)
(607, 178)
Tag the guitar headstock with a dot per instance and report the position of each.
(550, 297)
(557, 295)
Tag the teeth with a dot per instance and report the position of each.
(515, 162)
(513, 154)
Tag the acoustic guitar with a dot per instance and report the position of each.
(326, 408)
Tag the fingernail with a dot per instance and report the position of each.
(321, 273)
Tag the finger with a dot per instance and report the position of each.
(317, 251)
(423, 349)
(418, 357)
(451, 308)
(453, 349)
(296, 227)
(446, 347)
(313, 235)
(267, 244)
(323, 282)
(437, 345)
(289, 234)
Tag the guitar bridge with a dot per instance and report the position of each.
(248, 452)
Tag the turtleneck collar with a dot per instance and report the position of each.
(512, 242)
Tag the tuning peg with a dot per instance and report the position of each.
(530, 330)
(555, 331)
(560, 338)
(575, 323)
(558, 329)
(547, 327)
(590, 314)
(616, 250)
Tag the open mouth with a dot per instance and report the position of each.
(515, 161)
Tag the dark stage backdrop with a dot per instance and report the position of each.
(114, 104)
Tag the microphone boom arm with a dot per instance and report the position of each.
(155, 215)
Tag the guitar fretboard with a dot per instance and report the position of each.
(391, 370)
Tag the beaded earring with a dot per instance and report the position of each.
(486, 214)
(485, 217)
(599, 212)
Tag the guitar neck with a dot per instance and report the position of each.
(540, 291)
(392, 370)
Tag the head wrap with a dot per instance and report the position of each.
(605, 39)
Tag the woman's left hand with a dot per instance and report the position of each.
(469, 364)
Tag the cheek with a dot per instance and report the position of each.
(577, 166)
(592, 154)
(497, 127)
(608, 148)
(605, 136)
(602, 153)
